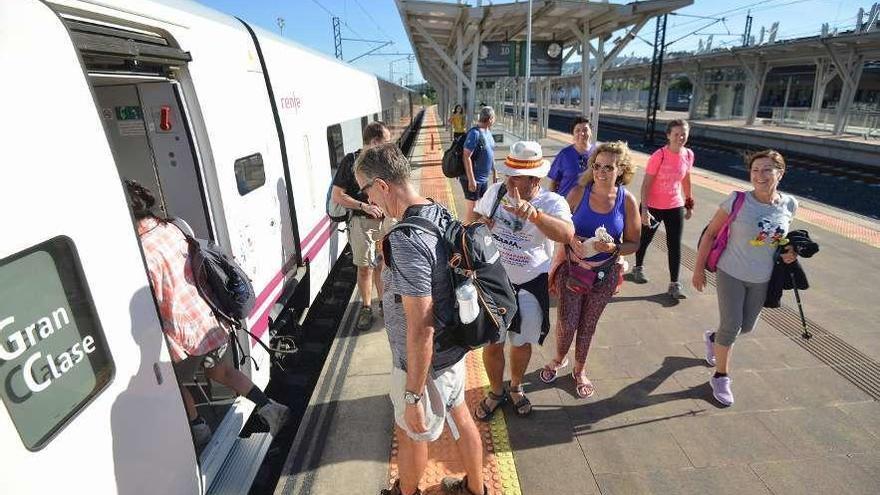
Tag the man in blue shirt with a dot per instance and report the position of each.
(571, 161)
(479, 161)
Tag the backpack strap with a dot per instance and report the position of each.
(480, 144)
(418, 223)
(184, 227)
(501, 192)
(411, 222)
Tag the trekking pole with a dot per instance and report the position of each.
(806, 334)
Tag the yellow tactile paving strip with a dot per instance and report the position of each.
(499, 470)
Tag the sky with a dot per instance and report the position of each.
(308, 22)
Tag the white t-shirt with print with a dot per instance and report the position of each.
(525, 250)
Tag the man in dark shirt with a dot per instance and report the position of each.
(365, 228)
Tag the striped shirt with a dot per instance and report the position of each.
(187, 320)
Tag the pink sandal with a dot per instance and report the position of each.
(583, 386)
(551, 370)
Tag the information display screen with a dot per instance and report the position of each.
(132, 112)
(508, 59)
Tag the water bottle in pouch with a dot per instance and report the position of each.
(468, 306)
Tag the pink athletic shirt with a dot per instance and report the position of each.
(668, 169)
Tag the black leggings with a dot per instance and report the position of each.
(673, 222)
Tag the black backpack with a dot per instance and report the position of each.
(453, 158)
(219, 280)
(472, 256)
(335, 211)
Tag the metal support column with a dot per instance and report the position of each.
(664, 93)
(697, 92)
(585, 70)
(656, 75)
(596, 95)
(753, 96)
(472, 89)
(851, 75)
(459, 61)
(547, 112)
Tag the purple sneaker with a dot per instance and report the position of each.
(710, 347)
(721, 389)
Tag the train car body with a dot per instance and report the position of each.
(239, 132)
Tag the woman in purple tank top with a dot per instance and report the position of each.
(606, 221)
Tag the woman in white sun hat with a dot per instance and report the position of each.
(586, 271)
(525, 221)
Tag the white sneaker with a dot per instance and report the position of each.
(721, 389)
(201, 433)
(275, 415)
(710, 347)
(676, 291)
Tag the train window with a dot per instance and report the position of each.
(54, 358)
(249, 173)
(335, 145)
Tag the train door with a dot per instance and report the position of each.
(151, 143)
(90, 403)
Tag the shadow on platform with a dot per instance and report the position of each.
(584, 418)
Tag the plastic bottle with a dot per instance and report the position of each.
(468, 305)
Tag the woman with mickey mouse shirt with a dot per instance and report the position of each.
(746, 264)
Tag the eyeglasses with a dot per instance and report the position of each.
(764, 171)
(368, 186)
(607, 168)
(581, 130)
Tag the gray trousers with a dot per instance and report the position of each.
(739, 305)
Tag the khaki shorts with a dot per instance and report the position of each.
(441, 394)
(531, 319)
(363, 233)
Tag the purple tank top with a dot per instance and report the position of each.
(586, 221)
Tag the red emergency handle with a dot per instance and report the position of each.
(165, 118)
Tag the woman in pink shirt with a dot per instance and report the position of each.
(666, 197)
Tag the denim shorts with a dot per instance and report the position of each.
(476, 195)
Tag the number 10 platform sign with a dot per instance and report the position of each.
(508, 59)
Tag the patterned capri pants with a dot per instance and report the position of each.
(578, 314)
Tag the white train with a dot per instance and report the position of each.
(239, 132)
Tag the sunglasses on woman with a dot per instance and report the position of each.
(607, 168)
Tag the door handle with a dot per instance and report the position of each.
(158, 372)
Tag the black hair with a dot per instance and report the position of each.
(142, 201)
(374, 130)
(580, 119)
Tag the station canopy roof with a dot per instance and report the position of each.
(431, 25)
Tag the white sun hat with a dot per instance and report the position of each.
(525, 158)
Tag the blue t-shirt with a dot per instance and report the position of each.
(485, 161)
(567, 167)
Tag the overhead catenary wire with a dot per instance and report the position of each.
(333, 14)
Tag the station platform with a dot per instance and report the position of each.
(806, 418)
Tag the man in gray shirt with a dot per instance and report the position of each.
(428, 374)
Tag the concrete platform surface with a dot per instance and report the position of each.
(806, 419)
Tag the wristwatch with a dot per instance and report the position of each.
(411, 398)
